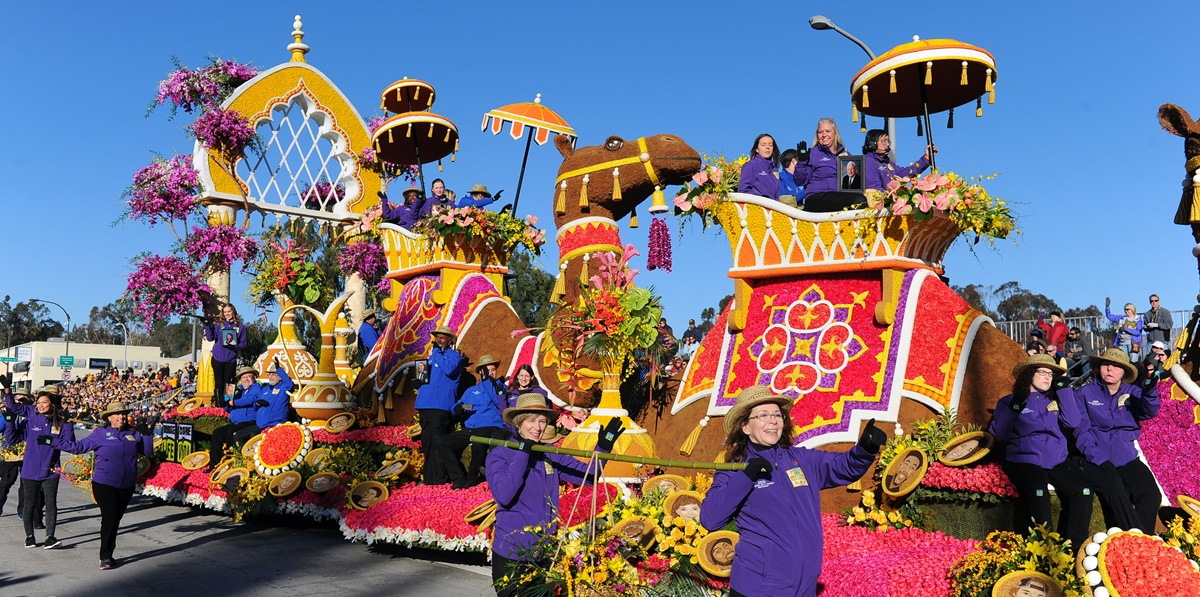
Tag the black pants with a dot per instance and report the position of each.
(48, 490)
(112, 501)
(1130, 499)
(222, 375)
(1073, 493)
(223, 436)
(39, 508)
(435, 423)
(501, 567)
(450, 447)
(834, 201)
(9, 472)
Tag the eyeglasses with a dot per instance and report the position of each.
(1154, 300)
(1043, 373)
(769, 417)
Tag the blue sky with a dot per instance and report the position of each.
(1073, 133)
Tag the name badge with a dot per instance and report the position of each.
(130, 438)
(1122, 400)
(1052, 407)
(549, 467)
(797, 477)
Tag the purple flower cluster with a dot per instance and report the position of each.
(374, 123)
(221, 246)
(313, 197)
(164, 191)
(659, 256)
(202, 88)
(223, 131)
(164, 286)
(365, 259)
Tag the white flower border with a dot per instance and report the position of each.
(411, 538)
(305, 446)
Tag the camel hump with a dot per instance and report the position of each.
(1177, 121)
(564, 145)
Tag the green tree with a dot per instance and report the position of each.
(981, 297)
(259, 335)
(530, 290)
(27, 322)
(174, 339)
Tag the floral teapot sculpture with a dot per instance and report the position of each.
(324, 394)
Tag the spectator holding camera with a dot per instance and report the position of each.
(1157, 323)
(1056, 331)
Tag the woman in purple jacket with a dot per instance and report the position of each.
(758, 174)
(1030, 423)
(523, 382)
(229, 338)
(776, 499)
(878, 168)
(43, 418)
(117, 448)
(817, 172)
(524, 484)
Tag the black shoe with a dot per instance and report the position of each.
(108, 564)
(50, 543)
(30, 541)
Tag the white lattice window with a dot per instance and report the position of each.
(303, 168)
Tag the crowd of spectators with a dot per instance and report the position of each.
(85, 397)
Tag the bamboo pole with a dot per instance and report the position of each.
(716, 466)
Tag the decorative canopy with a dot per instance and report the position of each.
(407, 95)
(415, 138)
(942, 73)
(543, 120)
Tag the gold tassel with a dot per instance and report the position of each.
(583, 272)
(633, 222)
(853, 112)
(452, 156)
(928, 73)
(455, 144)
(689, 444)
(1196, 415)
(560, 206)
(992, 95)
(583, 192)
(964, 76)
(379, 418)
(560, 286)
(430, 135)
(1180, 343)
(389, 135)
(409, 133)
(893, 84)
(866, 100)
(616, 184)
(439, 165)
(987, 84)
(416, 93)
(447, 138)
(978, 108)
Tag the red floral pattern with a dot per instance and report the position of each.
(395, 436)
(281, 445)
(422, 507)
(1137, 565)
(1169, 442)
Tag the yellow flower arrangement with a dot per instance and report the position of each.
(1003, 552)
(871, 515)
(1185, 535)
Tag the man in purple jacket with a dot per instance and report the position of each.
(1110, 411)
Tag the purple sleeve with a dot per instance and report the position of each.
(1085, 438)
(1143, 405)
(723, 500)
(14, 407)
(744, 180)
(1002, 420)
(841, 468)
(63, 442)
(147, 445)
(210, 332)
(242, 340)
(803, 173)
(507, 470)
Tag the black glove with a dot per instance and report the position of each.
(1018, 404)
(496, 197)
(802, 152)
(506, 208)
(1060, 381)
(44, 440)
(526, 446)
(383, 200)
(1149, 383)
(9, 417)
(756, 467)
(6, 381)
(462, 409)
(1080, 381)
(609, 434)
(872, 438)
(276, 361)
(261, 403)
(1107, 302)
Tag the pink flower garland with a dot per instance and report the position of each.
(165, 190)
(164, 286)
(859, 562)
(223, 131)
(196, 413)
(1169, 442)
(202, 88)
(395, 436)
(173, 477)
(420, 507)
(659, 256)
(985, 478)
(221, 246)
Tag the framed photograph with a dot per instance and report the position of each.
(905, 472)
(966, 448)
(850, 173)
(366, 494)
(1026, 583)
(229, 337)
(420, 373)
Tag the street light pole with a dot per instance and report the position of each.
(822, 23)
(64, 310)
(126, 336)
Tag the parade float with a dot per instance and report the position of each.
(846, 313)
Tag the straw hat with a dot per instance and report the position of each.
(114, 408)
(369, 313)
(486, 360)
(1114, 356)
(528, 403)
(445, 330)
(550, 434)
(21, 392)
(1037, 361)
(750, 398)
(410, 189)
(480, 189)
(51, 390)
(245, 370)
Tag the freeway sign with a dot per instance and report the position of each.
(67, 361)
(8, 359)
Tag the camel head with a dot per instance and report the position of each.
(1178, 122)
(669, 158)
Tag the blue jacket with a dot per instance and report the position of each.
(1033, 436)
(525, 487)
(1108, 424)
(442, 389)
(241, 408)
(820, 173)
(1135, 333)
(758, 178)
(40, 461)
(486, 404)
(368, 336)
(276, 411)
(220, 352)
(116, 454)
(469, 201)
(787, 186)
(879, 169)
(779, 518)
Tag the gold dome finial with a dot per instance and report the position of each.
(297, 48)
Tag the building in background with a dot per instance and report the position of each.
(35, 364)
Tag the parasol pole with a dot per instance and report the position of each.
(524, 159)
(417, 152)
(928, 127)
(715, 466)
